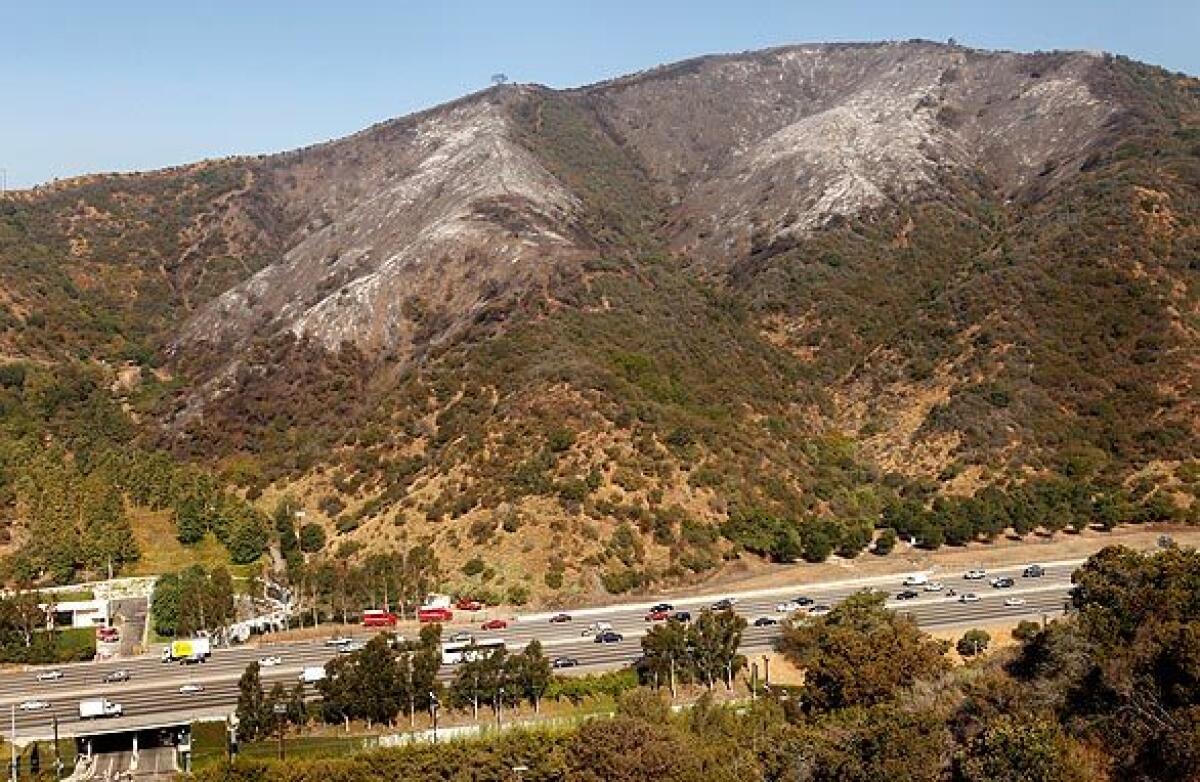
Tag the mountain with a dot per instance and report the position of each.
(621, 333)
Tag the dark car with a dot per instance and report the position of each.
(907, 594)
(765, 621)
(1002, 583)
(1034, 571)
(803, 601)
(609, 637)
(117, 676)
(723, 605)
(560, 618)
(667, 607)
(564, 662)
(681, 616)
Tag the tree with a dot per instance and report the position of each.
(860, 653)
(665, 652)
(534, 673)
(297, 713)
(713, 640)
(312, 538)
(885, 542)
(973, 642)
(251, 706)
(624, 749)
(1015, 749)
(164, 604)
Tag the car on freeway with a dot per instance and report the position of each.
(681, 616)
(609, 637)
(469, 604)
(558, 619)
(934, 586)
(724, 604)
(1014, 602)
(120, 675)
(803, 600)
(790, 607)
(50, 676)
(819, 610)
(1033, 571)
(495, 624)
(968, 597)
(666, 607)
(461, 637)
(766, 621)
(33, 705)
(907, 594)
(658, 616)
(975, 574)
(916, 579)
(191, 689)
(270, 661)
(1002, 583)
(339, 640)
(564, 662)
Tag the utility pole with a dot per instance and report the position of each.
(13, 736)
(433, 709)
(672, 660)
(58, 764)
(753, 681)
(766, 672)
(279, 710)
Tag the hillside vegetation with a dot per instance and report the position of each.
(620, 336)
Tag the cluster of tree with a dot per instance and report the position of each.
(332, 586)
(1050, 504)
(1108, 693)
(199, 501)
(257, 712)
(383, 679)
(26, 634)
(502, 679)
(933, 520)
(705, 650)
(75, 521)
(191, 600)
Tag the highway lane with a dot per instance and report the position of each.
(153, 689)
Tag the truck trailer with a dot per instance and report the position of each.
(98, 707)
(188, 650)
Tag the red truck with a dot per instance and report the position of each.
(374, 617)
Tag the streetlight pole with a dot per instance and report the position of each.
(433, 710)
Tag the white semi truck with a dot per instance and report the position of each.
(312, 674)
(98, 707)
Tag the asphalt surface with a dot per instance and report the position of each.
(151, 697)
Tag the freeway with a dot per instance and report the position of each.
(151, 697)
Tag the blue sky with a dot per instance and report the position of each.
(101, 86)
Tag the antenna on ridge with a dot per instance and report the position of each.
(499, 79)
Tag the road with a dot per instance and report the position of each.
(151, 697)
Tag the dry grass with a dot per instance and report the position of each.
(163, 553)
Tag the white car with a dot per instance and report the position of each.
(271, 661)
(975, 575)
(934, 586)
(340, 640)
(33, 705)
(50, 676)
(916, 580)
(790, 607)
(1014, 602)
(969, 597)
(819, 610)
(191, 689)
